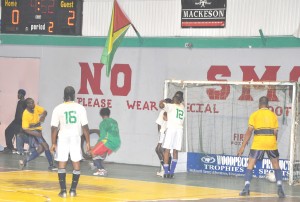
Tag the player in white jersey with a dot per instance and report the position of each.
(174, 133)
(69, 120)
(162, 127)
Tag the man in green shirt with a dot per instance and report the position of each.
(109, 141)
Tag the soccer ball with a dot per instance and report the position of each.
(271, 177)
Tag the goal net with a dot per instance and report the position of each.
(217, 115)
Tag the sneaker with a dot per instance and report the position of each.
(280, 192)
(160, 173)
(72, 193)
(93, 167)
(171, 175)
(20, 153)
(7, 150)
(14, 151)
(22, 164)
(52, 168)
(166, 175)
(101, 172)
(62, 194)
(245, 192)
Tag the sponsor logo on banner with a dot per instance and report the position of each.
(231, 165)
(203, 13)
(208, 159)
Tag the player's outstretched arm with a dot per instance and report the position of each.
(245, 141)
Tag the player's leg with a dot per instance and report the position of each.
(99, 153)
(26, 140)
(248, 177)
(253, 157)
(48, 154)
(20, 140)
(159, 150)
(274, 158)
(61, 172)
(35, 152)
(9, 134)
(170, 159)
(177, 142)
(166, 162)
(75, 178)
(76, 156)
(173, 163)
(62, 156)
(167, 145)
(160, 153)
(16, 130)
(98, 162)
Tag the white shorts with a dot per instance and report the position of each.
(66, 146)
(173, 139)
(161, 138)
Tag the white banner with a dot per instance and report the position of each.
(136, 83)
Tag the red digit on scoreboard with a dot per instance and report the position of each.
(15, 16)
(71, 18)
(50, 28)
(43, 6)
(51, 7)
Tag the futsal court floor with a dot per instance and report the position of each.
(128, 183)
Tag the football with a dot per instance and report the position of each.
(271, 177)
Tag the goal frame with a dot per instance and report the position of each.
(184, 86)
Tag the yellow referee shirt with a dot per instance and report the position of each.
(31, 121)
(264, 122)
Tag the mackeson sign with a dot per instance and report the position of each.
(203, 13)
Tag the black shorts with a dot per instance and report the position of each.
(259, 154)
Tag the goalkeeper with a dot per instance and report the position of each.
(264, 124)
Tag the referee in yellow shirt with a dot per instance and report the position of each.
(264, 124)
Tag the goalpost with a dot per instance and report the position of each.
(216, 119)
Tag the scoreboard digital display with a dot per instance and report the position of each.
(50, 17)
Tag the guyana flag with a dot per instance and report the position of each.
(119, 25)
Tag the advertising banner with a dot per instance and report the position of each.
(203, 13)
(231, 165)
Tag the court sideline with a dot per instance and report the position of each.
(129, 183)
